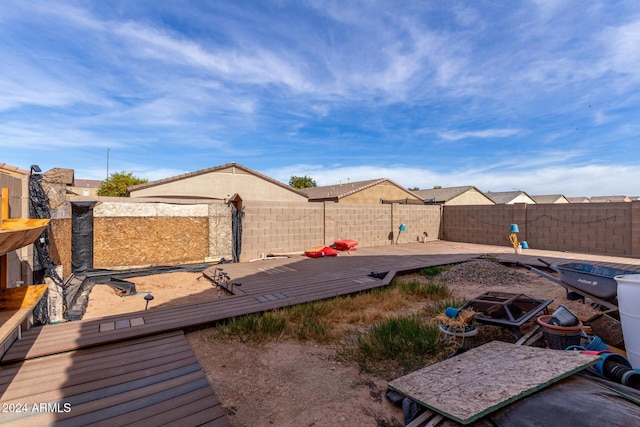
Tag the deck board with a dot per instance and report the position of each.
(136, 380)
(298, 279)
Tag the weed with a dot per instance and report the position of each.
(394, 346)
(254, 328)
(433, 271)
(423, 290)
(378, 343)
(491, 257)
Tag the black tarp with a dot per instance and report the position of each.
(43, 266)
(79, 286)
(82, 236)
(236, 231)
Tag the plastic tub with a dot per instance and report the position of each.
(629, 307)
(559, 337)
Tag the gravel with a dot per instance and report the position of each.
(484, 273)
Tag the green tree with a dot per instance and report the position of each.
(414, 188)
(437, 187)
(302, 182)
(117, 183)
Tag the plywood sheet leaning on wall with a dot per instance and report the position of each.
(142, 241)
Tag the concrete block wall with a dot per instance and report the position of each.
(280, 227)
(369, 225)
(590, 228)
(418, 220)
(598, 228)
(275, 227)
(480, 224)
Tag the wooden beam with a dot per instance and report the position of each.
(4, 206)
(4, 276)
(4, 214)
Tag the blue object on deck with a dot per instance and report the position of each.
(452, 312)
(525, 245)
(514, 228)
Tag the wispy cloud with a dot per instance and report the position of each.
(540, 93)
(479, 134)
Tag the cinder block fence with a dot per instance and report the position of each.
(128, 234)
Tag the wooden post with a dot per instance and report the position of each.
(4, 206)
(4, 214)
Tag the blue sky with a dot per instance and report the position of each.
(540, 96)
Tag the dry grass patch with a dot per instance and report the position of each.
(387, 331)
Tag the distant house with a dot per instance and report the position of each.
(510, 197)
(466, 195)
(85, 187)
(579, 200)
(381, 190)
(219, 183)
(549, 199)
(609, 199)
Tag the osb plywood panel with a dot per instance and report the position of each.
(60, 244)
(484, 379)
(120, 242)
(128, 209)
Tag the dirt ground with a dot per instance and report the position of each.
(293, 384)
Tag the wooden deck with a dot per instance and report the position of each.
(272, 284)
(156, 380)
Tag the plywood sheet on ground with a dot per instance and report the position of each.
(482, 380)
(154, 380)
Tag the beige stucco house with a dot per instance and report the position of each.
(219, 183)
(510, 197)
(465, 195)
(374, 191)
(580, 199)
(85, 187)
(609, 199)
(550, 198)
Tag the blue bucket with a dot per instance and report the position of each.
(525, 245)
